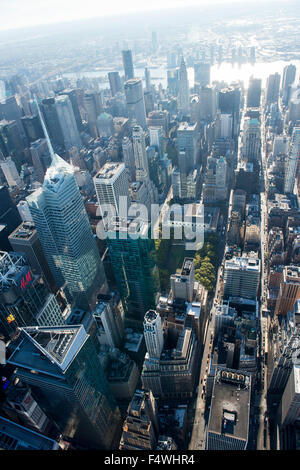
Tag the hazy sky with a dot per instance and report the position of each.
(22, 13)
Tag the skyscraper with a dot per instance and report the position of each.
(184, 91)
(133, 259)
(241, 278)
(128, 64)
(49, 111)
(63, 227)
(135, 101)
(111, 183)
(153, 334)
(202, 74)
(26, 240)
(128, 157)
(288, 78)
(11, 173)
(292, 161)
(70, 382)
(289, 290)
(140, 154)
(114, 82)
(273, 85)
(24, 298)
(67, 122)
(254, 93)
(290, 404)
(9, 214)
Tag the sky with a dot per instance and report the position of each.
(23, 13)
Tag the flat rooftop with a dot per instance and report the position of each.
(109, 170)
(24, 232)
(230, 406)
(16, 437)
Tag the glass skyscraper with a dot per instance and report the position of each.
(64, 230)
(61, 366)
(134, 266)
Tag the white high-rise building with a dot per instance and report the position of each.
(64, 230)
(184, 91)
(24, 211)
(128, 156)
(251, 139)
(226, 126)
(135, 101)
(292, 161)
(241, 277)
(140, 154)
(112, 182)
(153, 334)
(11, 173)
(67, 122)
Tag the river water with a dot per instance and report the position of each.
(226, 72)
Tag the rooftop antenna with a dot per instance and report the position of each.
(51, 151)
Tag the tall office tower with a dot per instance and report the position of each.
(184, 90)
(135, 101)
(289, 290)
(24, 211)
(24, 298)
(176, 183)
(11, 144)
(208, 105)
(13, 436)
(241, 277)
(64, 230)
(134, 266)
(11, 173)
(49, 111)
(182, 285)
(157, 139)
(128, 157)
(10, 111)
(111, 183)
(153, 334)
(140, 428)
(105, 125)
(187, 141)
(140, 154)
(202, 74)
(40, 158)
(109, 322)
(254, 93)
(128, 64)
(93, 107)
(290, 403)
(32, 127)
(173, 81)
(251, 139)
(292, 161)
(226, 126)
(70, 383)
(114, 82)
(67, 122)
(229, 417)
(288, 78)
(9, 216)
(273, 86)
(284, 349)
(25, 239)
(147, 79)
(74, 97)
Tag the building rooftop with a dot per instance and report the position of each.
(16, 437)
(24, 232)
(249, 264)
(109, 170)
(230, 405)
(58, 344)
